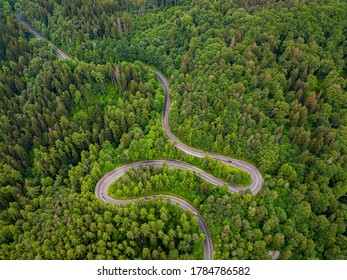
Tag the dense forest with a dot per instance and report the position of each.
(262, 81)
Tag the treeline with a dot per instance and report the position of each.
(96, 19)
(259, 82)
(270, 87)
(61, 121)
(62, 225)
(227, 173)
(57, 113)
(94, 32)
(160, 179)
(256, 5)
(242, 226)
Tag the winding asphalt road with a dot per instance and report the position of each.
(256, 177)
(256, 183)
(101, 189)
(40, 37)
(101, 192)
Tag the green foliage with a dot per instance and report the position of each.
(79, 227)
(64, 116)
(225, 172)
(263, 81)
(160, 179)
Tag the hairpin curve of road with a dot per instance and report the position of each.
(104, 183)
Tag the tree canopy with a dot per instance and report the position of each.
(262, 81)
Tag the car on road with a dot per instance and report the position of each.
(230, 161)
(196, 213)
